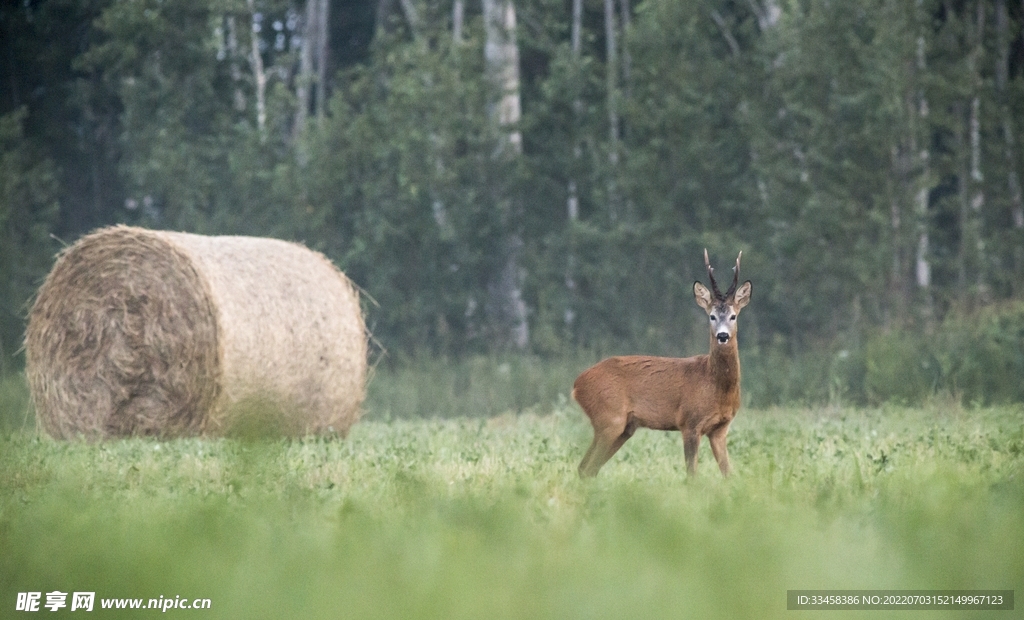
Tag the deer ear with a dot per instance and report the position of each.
(703, 296)
(742, 295)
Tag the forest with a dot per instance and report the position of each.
(540, 177)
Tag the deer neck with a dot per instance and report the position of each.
(724, 363)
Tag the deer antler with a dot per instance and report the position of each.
(711, 276)
(735, 276)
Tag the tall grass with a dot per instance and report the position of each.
(485, 518)
(15, 405)
(975, 359)
(475, 386)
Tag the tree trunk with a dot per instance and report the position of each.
(458, 19)
(922, 133)
(897, 282)
(383, 13)
(611, 86)
(1009, 141)
(572, 205)
(310, 90)
(505, 308)
(975, 218)
(304, 83)
(259, 75)
(412, 17)
(767, 15)
(323, 48)
(236, 71)
(627, 60)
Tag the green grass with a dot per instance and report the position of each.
(485, 518)
(474, 386)
(15, 405)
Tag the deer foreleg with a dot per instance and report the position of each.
(717, 439)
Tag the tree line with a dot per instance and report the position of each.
(539, 175)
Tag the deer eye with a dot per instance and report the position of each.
(732, 318)
(713, 317)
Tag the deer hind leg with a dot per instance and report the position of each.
(607, 442)
(717, 439)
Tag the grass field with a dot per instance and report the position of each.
(485, 518)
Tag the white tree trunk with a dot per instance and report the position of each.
(323, 42)
(897, 290)
(458, 19)
(304, 83)
(572, 204)
(501, 56)
(311, 84)
(573, 201)
(412, 17)
(767, 14)
(977, 178)
(259, 74)
(611, 87)
(506, 308)
(922, 132)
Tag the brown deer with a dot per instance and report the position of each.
(696, 395)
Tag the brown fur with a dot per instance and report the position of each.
(695, 395)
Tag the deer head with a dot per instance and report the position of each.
(722, 309)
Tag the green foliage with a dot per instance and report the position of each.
(28, 207)
(975, 358)
(982, 355)
(471, 386)
(403, 171)
(863, 154)
(196, 155)
(971, 358)
(15, 405)
(774, 376)
(899, 367)
(474, 518)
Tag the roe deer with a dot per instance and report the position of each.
(696, 395)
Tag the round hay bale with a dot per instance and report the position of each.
(144, 332)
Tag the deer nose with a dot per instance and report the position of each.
(723, 337)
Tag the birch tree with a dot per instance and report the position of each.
(505, 306)
(258, 71)
(572, 205)
(311, 83)
(612, 104)
(1010, 158)
(971, 261)
(921, 137)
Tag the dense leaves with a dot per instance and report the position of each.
(864, 155)
(28, 205)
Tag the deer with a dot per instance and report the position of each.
(694, 395)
